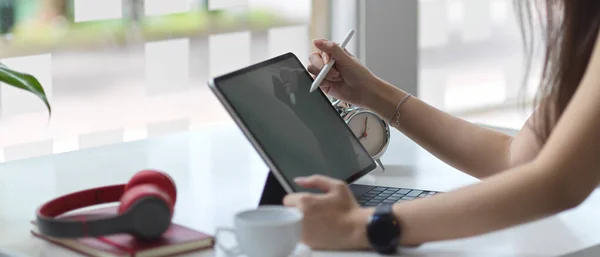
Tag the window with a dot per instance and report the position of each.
(124, 70)
(471, 60)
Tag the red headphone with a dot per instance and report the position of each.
(145, 209)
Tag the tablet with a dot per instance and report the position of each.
(297, 133)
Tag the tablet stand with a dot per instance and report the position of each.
(378, 161)
(273, 193)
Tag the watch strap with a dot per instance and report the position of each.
(384, 209)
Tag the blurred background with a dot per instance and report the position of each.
(125, 70)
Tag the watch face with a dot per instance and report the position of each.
(383, 232)
(370, 130)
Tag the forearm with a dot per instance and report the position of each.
(477, 151)
(510, 198)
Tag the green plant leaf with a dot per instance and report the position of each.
(24, 81)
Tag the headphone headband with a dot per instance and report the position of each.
(48, 225)
(145, 209)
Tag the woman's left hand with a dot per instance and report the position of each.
(332, 220)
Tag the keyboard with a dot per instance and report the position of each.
(379, 194)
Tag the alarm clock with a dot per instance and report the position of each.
(370, 129)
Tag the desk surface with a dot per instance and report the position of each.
(216, 168)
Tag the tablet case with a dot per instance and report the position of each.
(273, 193)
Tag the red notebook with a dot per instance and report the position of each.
(177, 240)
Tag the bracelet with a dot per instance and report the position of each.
(396, 116)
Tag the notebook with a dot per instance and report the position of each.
(177, 239)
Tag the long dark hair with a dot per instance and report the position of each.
(568, 30)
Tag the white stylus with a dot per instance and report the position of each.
(330, 64)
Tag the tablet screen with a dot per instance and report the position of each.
(300, 132)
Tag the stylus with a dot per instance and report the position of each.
(330, 64)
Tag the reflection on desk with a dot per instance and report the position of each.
(218, 173)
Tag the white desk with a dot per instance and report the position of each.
(218, 173)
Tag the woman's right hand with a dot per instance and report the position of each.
(348, 80)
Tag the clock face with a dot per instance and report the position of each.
(370, 130)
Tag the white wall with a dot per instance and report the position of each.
(344, 15)
(389, 40)
(457, 55)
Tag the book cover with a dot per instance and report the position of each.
(177, 239)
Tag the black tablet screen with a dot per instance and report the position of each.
(301, 132)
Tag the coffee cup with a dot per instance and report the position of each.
(267, 231)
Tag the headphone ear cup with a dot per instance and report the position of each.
(160, 179)
(151, 210)
(134, 194)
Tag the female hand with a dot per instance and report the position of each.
(333, 220)
(348, 80)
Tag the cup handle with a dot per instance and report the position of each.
(229, 251)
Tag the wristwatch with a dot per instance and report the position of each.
(383, 230)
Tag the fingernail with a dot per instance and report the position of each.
(319, 41)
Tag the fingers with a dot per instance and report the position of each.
(348, 52)
(320, 182)
(316, 60)
(317, 63)
(333, 74)
(313, 70)
(325, 57)
(299, 200)
(333, 49)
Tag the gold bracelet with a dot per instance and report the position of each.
(396, 116)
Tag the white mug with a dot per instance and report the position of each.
(267, 231)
